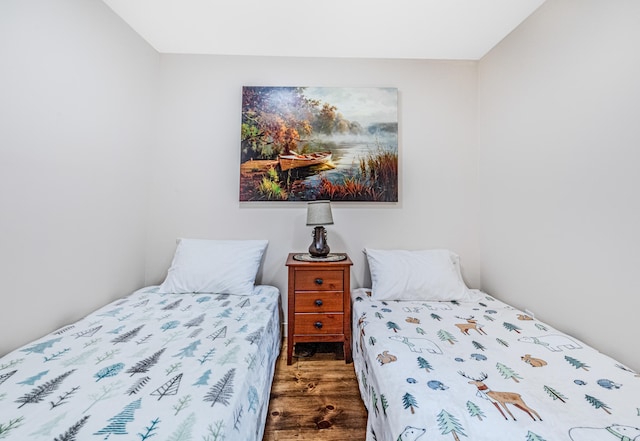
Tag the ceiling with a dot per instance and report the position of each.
(421, 29)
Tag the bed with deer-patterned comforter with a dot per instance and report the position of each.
(148, 366)
(484, 371)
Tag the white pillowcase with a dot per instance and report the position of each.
(214, 266)
(429, 275)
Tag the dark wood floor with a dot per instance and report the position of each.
(315, 398)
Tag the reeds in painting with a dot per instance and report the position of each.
(376, 180)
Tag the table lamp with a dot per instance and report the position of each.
(318, 215)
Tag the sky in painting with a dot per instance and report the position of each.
(366, 105)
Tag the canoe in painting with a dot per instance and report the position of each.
(294, 160)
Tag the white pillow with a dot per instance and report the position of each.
(416, 275)
(214, 266)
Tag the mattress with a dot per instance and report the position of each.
(485, 371)
(148, 366)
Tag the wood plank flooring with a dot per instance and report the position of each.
(315, 398)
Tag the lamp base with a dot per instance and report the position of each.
(319, 247)
(328, 258)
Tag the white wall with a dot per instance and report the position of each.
(195, 168)
(76, 102)
(559, 178)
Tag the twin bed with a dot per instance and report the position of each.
(435, 360)
(193, 359)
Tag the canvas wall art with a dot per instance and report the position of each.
(309, 143)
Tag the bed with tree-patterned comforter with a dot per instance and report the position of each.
(148, 366)
(484, 371)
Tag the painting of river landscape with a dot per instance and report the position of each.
(312, 143)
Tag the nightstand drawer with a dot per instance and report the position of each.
(317, 324)
(330, 280)
(319, 301)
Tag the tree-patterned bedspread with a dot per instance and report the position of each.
(484, 371)
(148, 366)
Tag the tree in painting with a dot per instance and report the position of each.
(273, 118)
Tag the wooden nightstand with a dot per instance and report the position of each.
(319, 305)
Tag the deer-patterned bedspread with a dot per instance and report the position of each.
(148, 366)
(484, 371)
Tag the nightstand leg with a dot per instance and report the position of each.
(289, 352)
(348, 358)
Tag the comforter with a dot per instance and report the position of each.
(150, 365)
(485, 371)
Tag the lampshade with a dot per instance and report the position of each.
(319, 213)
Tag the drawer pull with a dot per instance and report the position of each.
(319, 281)
(318, 302)
(318, 325)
